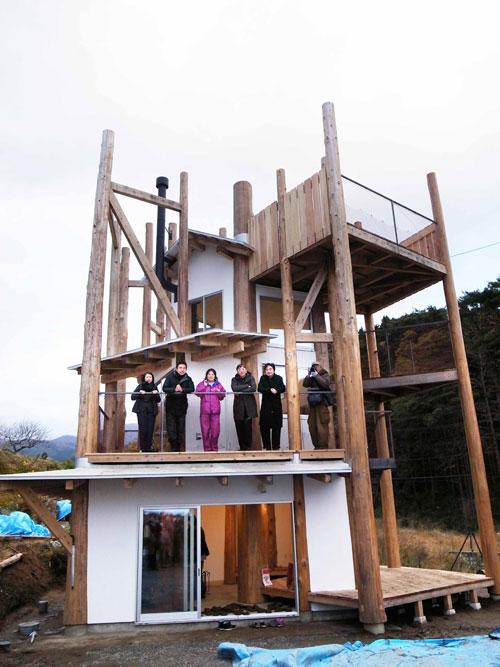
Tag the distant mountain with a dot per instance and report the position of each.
(58, 449)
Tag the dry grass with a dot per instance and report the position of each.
(430, 548)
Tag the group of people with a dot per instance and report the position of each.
(178, 384)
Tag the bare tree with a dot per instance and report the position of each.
(24, 434)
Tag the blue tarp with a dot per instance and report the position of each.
(479, 651)
(63, 509)
(19, 523)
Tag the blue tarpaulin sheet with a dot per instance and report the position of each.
(19, 523)
(63, 509)
(479, 651)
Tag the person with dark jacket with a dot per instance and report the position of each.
(177, 384)
(244, 405)
(146, 399)
(317, 382)
(271, 412)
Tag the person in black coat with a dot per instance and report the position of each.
(146, 399)
(177, 384)
(271, 412)
(244, 405)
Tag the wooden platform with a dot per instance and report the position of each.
(408, 584)
(385, 388)
(212, 457)
(278, 589)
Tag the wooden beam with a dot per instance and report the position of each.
(349, 387)
(145, 264)
(310, 299)
(75, 603)
(382, 442)
(212, 353)
(138, 283)
(325, 477)
(10, 561)
(88, 412)
(223, 481)
(134, 371)
(303, 574)
(266, 479)
(226, 253)
(292, 382)
(252, 553)
(183, 258)
(146, 295)
(126, 191)
(230, 546)
(472, 435)
(234, 250)
(114, 229)
(313, 337)
(156, 329)
(72, 484)
(253, 350)
(44, 514)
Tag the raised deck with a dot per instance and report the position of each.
(408, 584)
(212, 457)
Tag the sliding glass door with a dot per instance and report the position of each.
(169, 564)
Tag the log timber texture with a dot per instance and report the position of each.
(348, 383)
(88, 413)
(478, 471)
(182, 304)
(75, 604)
(382, 441)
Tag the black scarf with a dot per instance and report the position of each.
(147, 386)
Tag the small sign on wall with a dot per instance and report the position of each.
(266, 577)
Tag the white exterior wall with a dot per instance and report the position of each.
(210, 272)
(113, 536)
(328, 536)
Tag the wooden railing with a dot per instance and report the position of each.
(424, 242)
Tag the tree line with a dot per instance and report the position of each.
(432, 481)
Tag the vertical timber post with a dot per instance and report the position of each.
(292, 382)
(146, 292)
(88, 412)
(386, 489)
(75, 602)
(348, 383)
(243, 289)
(183, 285)
(299, 514)
(121, 385)
(476, 459)
(230, 546)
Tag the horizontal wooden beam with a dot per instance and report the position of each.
(137, 283)
(145, 264)
(252, 350)
(325, 477)
(45, 515)
(125, 373)
(232, 348)
(146, 197)
(235, 250)
(72, 484)
(313, 337)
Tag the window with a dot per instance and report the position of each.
(271, 317)
(205, 313)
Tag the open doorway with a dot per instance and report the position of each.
(216, 561)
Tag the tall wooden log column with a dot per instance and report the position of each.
(230, 545)
(476, 459)
(88, 413)
(182, 258)
(349, 389)
(386, 488)
(292, 382)
(245, 316)
(75, 603)
(252, 552)
(111, 388)
(146, 292)
(303, 573)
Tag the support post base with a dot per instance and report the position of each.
(375, 628)
(495, 597)
(449, 612)
(475, 605)
(419, 620)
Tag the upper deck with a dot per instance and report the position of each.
(394, 250)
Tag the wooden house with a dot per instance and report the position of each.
(301, 515)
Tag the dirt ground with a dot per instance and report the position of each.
(183, 647)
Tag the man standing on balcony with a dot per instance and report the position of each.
(319, 397)
(177, 384)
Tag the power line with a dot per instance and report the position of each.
(466, 252)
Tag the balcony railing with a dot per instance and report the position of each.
(119, 432)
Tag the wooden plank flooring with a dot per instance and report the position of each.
(408, 584)
(189, 457)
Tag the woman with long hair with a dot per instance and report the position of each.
(146, 399)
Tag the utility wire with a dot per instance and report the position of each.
(466, 252)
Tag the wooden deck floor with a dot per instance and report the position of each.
(408, 584)
(211, 457)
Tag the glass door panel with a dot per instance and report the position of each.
(169, 567)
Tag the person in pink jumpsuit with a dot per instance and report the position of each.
(211, 393)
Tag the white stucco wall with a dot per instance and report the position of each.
(114, 530)
(328, 536)
(210, 272)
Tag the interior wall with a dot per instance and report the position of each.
(284, 534)
(213, 523)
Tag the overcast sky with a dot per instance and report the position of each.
(226, 91)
